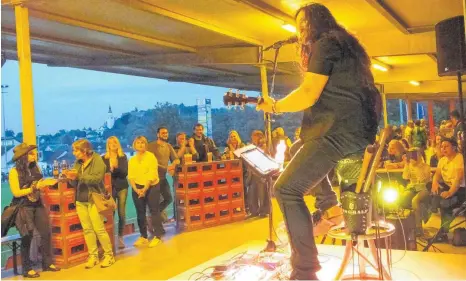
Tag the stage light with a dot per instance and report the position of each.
(414, 83)
(379, 67)
(390, 195)
(289, 27)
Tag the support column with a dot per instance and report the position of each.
(25, 74)
(402, 116)
(385, 114)
(409, 110)
(430, 113)
(452, 105)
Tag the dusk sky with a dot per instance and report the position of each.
(67, 98)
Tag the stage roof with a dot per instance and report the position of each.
(217, 42)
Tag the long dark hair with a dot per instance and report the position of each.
(27, 172)
(320, 23)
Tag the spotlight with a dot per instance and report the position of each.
(379, 67)
(390, 195)
(289, 27)
(414, 83)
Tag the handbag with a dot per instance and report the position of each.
(103, 202)
(8, 218)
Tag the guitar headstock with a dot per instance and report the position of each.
(237, 99)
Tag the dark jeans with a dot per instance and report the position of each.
(120, 198)
(166, 194)
(258, 196)
(152, 200)
(446, 205)
(39, 218)
(311, 164)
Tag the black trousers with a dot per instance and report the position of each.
(165, 191)
(120, 198)
(38, 218)
(152, 200)
(258, 196)
(311, 164)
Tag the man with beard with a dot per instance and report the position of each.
(164, 153)
(201, 145)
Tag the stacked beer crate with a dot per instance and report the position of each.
(209, 194)
(68, 245)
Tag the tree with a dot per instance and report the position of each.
(67, 139)
(19, 137)
(9, 133)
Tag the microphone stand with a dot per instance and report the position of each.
(271, 246)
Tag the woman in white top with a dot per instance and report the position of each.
(144, 178)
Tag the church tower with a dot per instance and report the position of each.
(110, 120)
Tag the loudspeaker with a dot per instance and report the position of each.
(451, 50)
(405, 230)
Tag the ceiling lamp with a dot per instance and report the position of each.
(289, 27)
(379, 67)
(414, 83)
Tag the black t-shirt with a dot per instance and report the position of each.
(346, 105)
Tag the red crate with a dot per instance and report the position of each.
(210, 214)
(223, 195)
(222, 180)
(108, 179)
(69, 249)
(191, 200)
(224, 212)
(188, 185)
(237, 210)
(189, 171)
(208, 183)
(236, 179)
(222, 167)
(57, 203)
(209, 197)
(235, 166)
(107, 218)
(236, 192)
(208, 169)
(189, 218)
(60, 187)
(63, 225)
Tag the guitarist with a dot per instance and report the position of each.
(341, 111)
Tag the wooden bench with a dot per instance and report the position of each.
(12, 241)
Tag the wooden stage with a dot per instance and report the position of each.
(407, 266)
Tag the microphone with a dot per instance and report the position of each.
(279, 44)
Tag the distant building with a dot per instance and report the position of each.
(111, 119)
(9, 141)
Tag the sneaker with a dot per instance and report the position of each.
(31, 274)
(52, 267)
(155, 241)
(91, 262)
(108, 261)
(141, 242)
(121, 243)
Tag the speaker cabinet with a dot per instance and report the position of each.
(451, 50)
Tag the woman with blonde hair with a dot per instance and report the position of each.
(87, 176)
(117, 165)
(233, 143)
(396, 151)
(143, 177)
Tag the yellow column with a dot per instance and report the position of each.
(25, 73)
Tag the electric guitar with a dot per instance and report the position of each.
(236, 99)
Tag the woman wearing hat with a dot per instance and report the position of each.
(25, 182)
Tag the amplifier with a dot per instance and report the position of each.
(403, 223)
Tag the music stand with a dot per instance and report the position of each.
(267, 167)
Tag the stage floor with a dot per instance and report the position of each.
(407, 265)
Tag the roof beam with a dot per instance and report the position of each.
(151, 8)
(269, 10)
(108, 30)
(48, 39)
(387, 13)
(205, 56)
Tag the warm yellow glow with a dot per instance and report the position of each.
(289, 27)
(379, 67)
(414, 83)
(390, 195)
